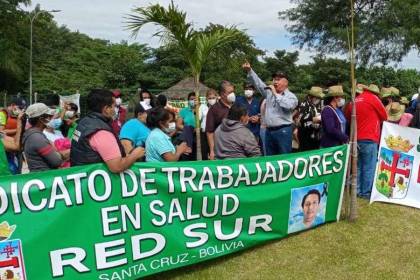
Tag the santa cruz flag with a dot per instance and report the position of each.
(397, 177)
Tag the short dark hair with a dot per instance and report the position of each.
(138, 110)
(53, 100)
(223, 85)
(248, 85)
(97, 99)
(313, 191)
(279, 75)
(191, 94)
(162, 100)
(327, 100)
(157, 115)
(144, 90)
(236, 112)
(34, 121)
(74, 107)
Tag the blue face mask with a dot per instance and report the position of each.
(55, 123)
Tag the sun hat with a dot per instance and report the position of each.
(39, 109)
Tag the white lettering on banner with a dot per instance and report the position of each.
(58, 263)
(220, 249)
(58, 186)
(133, 183)
(170, 171)
(226, 204)
(206, 179)
(186, 180)
(77, 178)
(144, 180)
(102, 254)
(92, 185)
(37, 195)
(26, 198)
(127, 217)
(228, 176)
(103, 251)
(243, 176)
(197, 231)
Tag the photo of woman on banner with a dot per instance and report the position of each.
(307, 207)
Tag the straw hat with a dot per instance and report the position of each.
(404, 100)
(373, 88)
(334, 91)
(395, 112)
(395, 91)
(386, 92)
(360, 88)
(316, 92)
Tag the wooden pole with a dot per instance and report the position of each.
(353, 127)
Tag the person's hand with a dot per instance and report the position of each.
(182, 148)
(188, 151)
(272, 88)
(254, 119)
(212, 156)
(138, 152)
(316, 119)
(246, 66)
(20, 116)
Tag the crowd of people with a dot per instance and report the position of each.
(266, 120)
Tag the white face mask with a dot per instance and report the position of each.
(118, 101)
(69, 114)
(249, 93)
(212, 101)
(316, 101)
(341, 102)
(171, 128)
(231, 97)
(146, 101)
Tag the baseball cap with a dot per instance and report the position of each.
(116, 93)
(39, 109)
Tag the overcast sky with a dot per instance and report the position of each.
(105, 19)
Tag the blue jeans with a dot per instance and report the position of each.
(262, 137)
(278, 141)
(366, 165)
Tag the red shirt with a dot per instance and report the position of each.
(370, 113)
(118, 123)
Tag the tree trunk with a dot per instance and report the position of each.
(197, 115)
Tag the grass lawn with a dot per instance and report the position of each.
(384, 243)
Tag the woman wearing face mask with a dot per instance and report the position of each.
(159, 146)
(71, 119)
(186, 124)
(120, 113)
(135, 132)
(332, 118)
(211, 98)
(39, 152)
(309, 131)
(146, 99)
(251, 102)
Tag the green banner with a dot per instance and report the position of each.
(87, 223)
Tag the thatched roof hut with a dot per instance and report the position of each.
(183, 88)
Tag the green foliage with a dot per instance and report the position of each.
(66, 61)
(385, 30)
(195, 46)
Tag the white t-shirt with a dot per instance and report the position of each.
(203, 110)
(53, 136)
